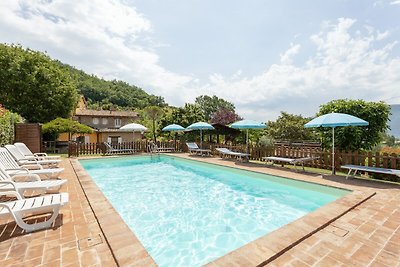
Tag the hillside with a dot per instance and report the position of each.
(395, 120)
(101, 93)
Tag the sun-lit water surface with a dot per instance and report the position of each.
(187, 213)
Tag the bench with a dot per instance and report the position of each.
(293, 161)
(357, 168)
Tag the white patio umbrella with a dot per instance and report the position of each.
(134, 127)
(334, 120)
(200, 126)
(248, 124)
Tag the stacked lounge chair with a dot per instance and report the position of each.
(12, 168)
(16, 179)
(23, 160)
(28, 153)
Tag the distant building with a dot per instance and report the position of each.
(106, 123)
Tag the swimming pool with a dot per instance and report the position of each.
(188, 213)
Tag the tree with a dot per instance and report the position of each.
(209, 105)
(34, 86)
(225, 116)
(153, 113)
(7, 121)
(61, 125)
(290, 127)
(355, 138)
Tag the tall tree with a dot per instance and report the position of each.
(210, 104)
(153, 113)
(355, 138)
(290, 127)
(34, 86)
(224, 116)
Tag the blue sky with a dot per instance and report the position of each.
(264, 56)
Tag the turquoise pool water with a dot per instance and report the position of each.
(188, 213)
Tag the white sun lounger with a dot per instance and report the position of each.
(21, 159)
(32, 206)
(28, 153)
(110, 149)
(227, 152)
(12, 167)
(293, 161)
(155, 149)
(357, 168)
(194, 148)
(23, 182)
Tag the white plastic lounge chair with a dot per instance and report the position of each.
(28, 153)
(293, 161)
(194, 148)
(227, 152)
(32, 206)
(21, 159)
(28, 182)
(357, 168)
(12, 167)
(110, 149)
(153, 148)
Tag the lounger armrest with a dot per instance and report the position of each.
(9, 183)
(8, 193)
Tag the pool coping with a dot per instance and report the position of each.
(128, 250)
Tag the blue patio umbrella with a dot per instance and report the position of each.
(334, 120)
(200, 126)
(248, 124)
(173, 128)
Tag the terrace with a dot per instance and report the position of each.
(359, 229)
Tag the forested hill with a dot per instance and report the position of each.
(101, 93)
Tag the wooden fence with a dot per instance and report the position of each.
(324, 160)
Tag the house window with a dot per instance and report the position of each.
(117, 122)
(96, 120)
(114, 140)
(104, 121)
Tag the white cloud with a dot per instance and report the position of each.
(286, 58)
(112, 40)
(396, 2)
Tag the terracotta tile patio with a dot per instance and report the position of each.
(360, 229)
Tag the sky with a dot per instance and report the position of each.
(263, 56)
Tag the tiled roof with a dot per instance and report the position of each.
(105, 113)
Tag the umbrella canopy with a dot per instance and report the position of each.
(336, 119)
(200, 126)
(136, 127)
(333, 120)
(173, 127)
(248, 124)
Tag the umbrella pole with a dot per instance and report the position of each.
(247, 141)
(201, 139)
(333, 150)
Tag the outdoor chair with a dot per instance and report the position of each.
(194, 149)
(32, 206)
(27, 181)
(21, 159)
(12, 168)
(357, 168)
(28, 153)
(225, 152)
(294, 161)
(111, 150)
